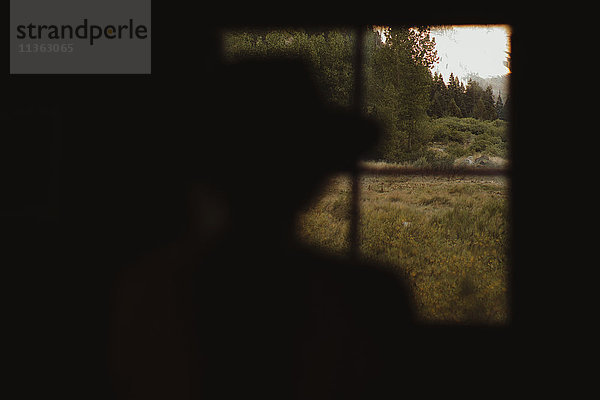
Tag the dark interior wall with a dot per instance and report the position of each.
(77, 191)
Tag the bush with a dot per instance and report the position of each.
(428, 158)
(440, 131)
(421, 162)
(488, 144)
(445, 161)
(456, 150)
(394, 147)
(461, 136)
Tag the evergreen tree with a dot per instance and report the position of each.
(488, 103)
(479, 110)
(473, 93)
(453, 87)
(506, 109)
(398, 88)
(456, 92)
(439, 97)
(461, 100)
(453, 109)
(437, 108)
(499, 107)
(328, 53)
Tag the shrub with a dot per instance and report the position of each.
(421, 162)
(487, 144)
(445, 161)
(459, 136)
(440, 131)
(456, 150)
(462, 136)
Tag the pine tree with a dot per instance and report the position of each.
(436, 109)
(506, 109)
(439, 97)
(488, 103)
(461, 102)
(456, 93)
(499, 107)
(398, 89)
(473, 93)
(453, 109)
(453, 86)
(479, 110)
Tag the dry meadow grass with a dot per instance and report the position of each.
(448, 236)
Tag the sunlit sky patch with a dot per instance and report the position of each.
(472, 49)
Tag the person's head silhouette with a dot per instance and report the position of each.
(274, 140)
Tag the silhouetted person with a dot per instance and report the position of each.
(236, 307)
(276, 320)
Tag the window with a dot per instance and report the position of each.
(431, 200)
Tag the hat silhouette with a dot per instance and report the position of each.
(274, 134)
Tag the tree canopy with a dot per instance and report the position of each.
(400, 89)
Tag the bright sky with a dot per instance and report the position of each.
(471, 49)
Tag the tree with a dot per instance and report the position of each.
(499, 107)
(456, 91)
(479, 110)
(506, 109)
(489, 112)
(453, 109)
(398, 78)
(437, 108)
(473, 93)
(328, 53)
(399, 85)
(461, 99)
(439, 97)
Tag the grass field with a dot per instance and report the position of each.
(447, 236)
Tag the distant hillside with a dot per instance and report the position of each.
(499, 84)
